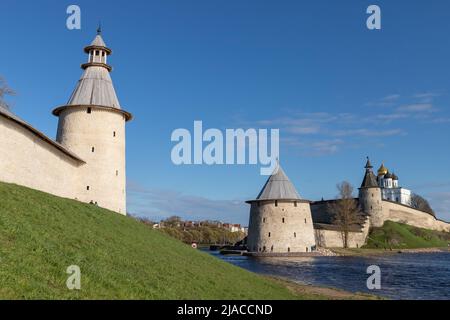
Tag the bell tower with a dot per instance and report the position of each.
(92, 125)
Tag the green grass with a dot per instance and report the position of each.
(401, 236)
(120, 258)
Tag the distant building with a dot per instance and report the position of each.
(390, 189)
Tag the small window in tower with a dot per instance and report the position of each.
(103, 53)
(114, 133)
(306, 249)
(295, 203)
(271, 248)
(264, 219)
(269, 234)
(89, 110)
(87, 188)
(282, 220)
(264, 248)
(93, 149)
(371, 208)
(117, 172)
(305, 221)
(295, 234)
(372, 195)
(97, 53)
(289, 249)
(276, 203)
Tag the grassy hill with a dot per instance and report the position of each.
(120, 258)
(401, 236)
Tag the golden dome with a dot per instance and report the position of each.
(383, 170)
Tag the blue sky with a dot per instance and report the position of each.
(337, 91)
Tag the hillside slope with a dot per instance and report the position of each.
(401, 236)
(120, 258)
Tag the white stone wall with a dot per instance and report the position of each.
(99, 139)
(280, 228)
(334, 239)
(28, 160)
(400, 213)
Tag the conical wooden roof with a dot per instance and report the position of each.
(278, 187)
(95, 86)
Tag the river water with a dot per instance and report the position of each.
(403, 276)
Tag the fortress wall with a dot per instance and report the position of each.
(319, 212)
(28, 160)
(334, 239)
(404, 214)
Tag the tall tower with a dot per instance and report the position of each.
(370, 197)
(280, 221)
(92, 125)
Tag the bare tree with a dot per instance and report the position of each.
(345, 210)
(420, 203)
(5, 90)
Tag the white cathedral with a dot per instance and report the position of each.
(390, 188)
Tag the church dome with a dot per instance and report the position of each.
(383, 170)
(388, 175)
(394, 176)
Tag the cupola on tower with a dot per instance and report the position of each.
(92, 125)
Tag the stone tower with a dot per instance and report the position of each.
(370, 197)
(92, 125)
(280, 221)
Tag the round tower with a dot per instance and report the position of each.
(370, 199)
(280, 221)
(92, 125)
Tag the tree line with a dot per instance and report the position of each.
(204, 232)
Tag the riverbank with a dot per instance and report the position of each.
(378, 252)
(310, 292)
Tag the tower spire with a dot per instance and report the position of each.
(99, 28)
(369, 181)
